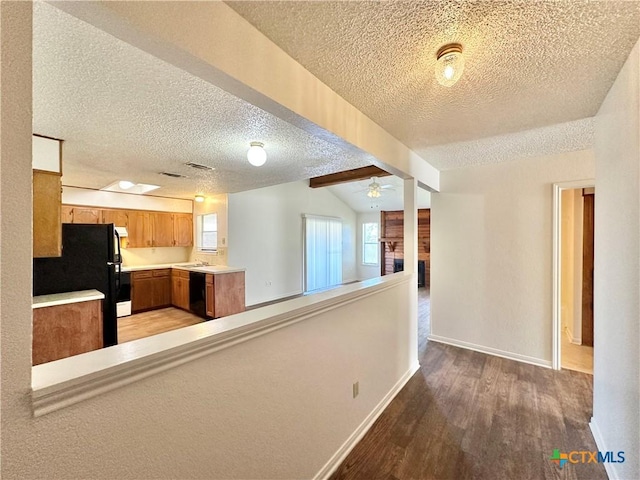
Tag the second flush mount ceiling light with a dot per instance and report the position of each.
(257, 155)
(450, 64)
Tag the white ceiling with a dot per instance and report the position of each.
(528, 64)
(125, 114)
(354, 194)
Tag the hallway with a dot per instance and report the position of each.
(467, 415)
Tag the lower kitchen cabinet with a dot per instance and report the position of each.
(150, 289)
(180, 288)
(61, 331)
(225, 294)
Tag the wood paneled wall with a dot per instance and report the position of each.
(392, 236)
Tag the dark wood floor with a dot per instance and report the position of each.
(466, 415)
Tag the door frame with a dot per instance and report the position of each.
(558, 188)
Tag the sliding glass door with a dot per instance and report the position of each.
(322, 252)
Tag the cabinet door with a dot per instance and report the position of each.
(184, 294)
(139, 230)
(161, 288)
(120, 218)
(66, 214)
(210, 296)
(141, 293)
(162, 229)
(47, 228)
(182, 229)
(86, 215)
(176, 290)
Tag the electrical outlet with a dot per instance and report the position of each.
(356, 389)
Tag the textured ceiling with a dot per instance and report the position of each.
(354, 194)
(529, 64)
(125, 114)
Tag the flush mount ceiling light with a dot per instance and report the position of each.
(257, 155)
(199, 198)
(450, 64)
(125, 184)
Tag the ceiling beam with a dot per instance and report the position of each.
(363, 173)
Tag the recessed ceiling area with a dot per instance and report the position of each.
(354, 194)
(127, 115)
(527, 64)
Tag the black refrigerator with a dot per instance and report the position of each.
(90, 260)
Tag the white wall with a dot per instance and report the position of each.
(212, 204)
(265, 237)
(365, 271)
(491, 229)
(616, 408)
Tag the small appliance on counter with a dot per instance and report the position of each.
(90, 260)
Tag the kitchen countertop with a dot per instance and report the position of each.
(42, 301)
(186, 266)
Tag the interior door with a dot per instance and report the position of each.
(587, 268)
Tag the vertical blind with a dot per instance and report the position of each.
(323, 252)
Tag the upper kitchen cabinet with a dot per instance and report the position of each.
(47, 197)
(120, 218)
(139, 229)
(183, 230)
(86, 215)
(162, 229)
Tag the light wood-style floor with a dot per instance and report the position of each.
(576, 357)
(467, 415)
(145, 324)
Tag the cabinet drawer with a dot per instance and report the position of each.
(142, 274)
(179, 273)
(165, 272)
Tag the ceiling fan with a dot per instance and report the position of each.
(374, 189)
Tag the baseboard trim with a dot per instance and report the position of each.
(597, 437)
(491, 351)
(337, 458)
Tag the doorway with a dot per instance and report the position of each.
(574, 208)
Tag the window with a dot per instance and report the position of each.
(370, 244)
(208, 232)
(322, 252)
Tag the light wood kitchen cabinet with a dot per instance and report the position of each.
(162, 229)
(161, 288)
(182, 230)
(139, 229)
(66, 214)
(47, 226)
(145, 228)
(141, 291)
(61, 331)
(227, 294)
(86, 215)
(209, 295)
(150, 289)
(180, 288)
(120, 218)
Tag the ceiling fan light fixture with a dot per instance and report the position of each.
(257, 155)
(449, 64)
(373, 193)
